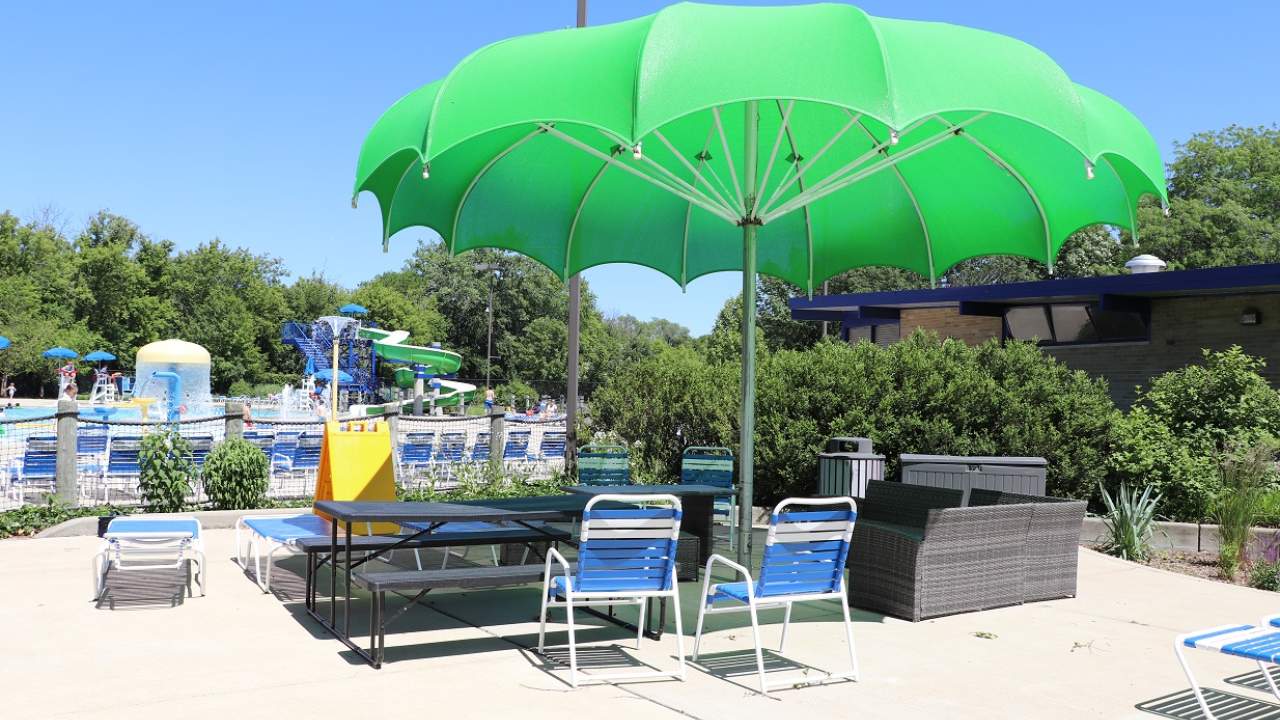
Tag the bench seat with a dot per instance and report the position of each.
(454, 577)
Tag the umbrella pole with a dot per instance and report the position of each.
(746, 442)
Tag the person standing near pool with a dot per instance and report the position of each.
(488, 399)
(69, 391)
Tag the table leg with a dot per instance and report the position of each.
(699, 520)
(346, 605)
(333, 572)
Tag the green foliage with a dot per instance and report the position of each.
(236, 476)
(1265, 576)
(245, 389)
(514, 391)
(1173, 436)
(920, 395)
(1248, 472)
(1130, 522)
(166, 471)
(488, 481)
(27, 520)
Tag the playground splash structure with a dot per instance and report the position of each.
(172, 381)
(361, 348)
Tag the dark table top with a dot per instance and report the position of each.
(433, 512)
(677, 490)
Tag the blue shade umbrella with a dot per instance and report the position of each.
(353, 309)
(99, 356)
(61, 353)
(327, 375)
(4, 342)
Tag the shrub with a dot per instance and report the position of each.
(919, 395)
(236, 476)
(521, 392)
(1264, 574)
(165, 471)
(1246, 474)
(1177, 430)
(1130, 522)
(28, 520)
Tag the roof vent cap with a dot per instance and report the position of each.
(1145, 264)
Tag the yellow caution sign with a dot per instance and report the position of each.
(356, 464)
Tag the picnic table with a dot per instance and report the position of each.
(434, 519)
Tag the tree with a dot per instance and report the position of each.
(314, 296)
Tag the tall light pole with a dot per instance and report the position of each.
(575, 319)
(492, 269)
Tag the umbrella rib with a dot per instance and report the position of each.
(728, 158)
(783, 129)
(808, 220)
(684, 184)
(1031, 193)
(688, 213)
(711, 208)
(830, 184)
(816, 157)
(924, 226)
(697, 172)
(1133, 219)
(573, 226)
(462, 202)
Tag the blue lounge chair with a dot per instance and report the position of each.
(122, 465)
(625, 557)
(133, 544)
(1260, 643)
(306, 455)
(804, 561)
(551, 448)
(261, 439)
(713, 466)
(277, 532)
(201, 446)
(452, 448)
(516, 450)
(604, 465)
(416, 453)
(480, 451)
(37, 468)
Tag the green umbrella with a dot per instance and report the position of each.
(798, 142)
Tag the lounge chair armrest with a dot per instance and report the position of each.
(717, 558)
(553, 555)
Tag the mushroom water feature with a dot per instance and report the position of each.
(174, 376)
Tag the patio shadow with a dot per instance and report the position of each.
(143, 589)
(739, 667)
(1224, 706)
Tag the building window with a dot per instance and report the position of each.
(1073, 324)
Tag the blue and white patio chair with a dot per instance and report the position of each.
(201, 446)
(1260, 643)
(713, 466)
(150, 543)
(452, 448)
(804, 561)
(480, 450)
(515, 453)
(416, 453)
(122, 466)
(551, 448)
(625, 557)
(36, 469)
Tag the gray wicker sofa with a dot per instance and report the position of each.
(917, 554)
(1053, 539)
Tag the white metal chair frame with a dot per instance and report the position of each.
(1269, 625)
(274, 545)
(755, 603)
(144, 550)
(571, 599)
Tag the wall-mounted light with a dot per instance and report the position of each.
(1251, 316)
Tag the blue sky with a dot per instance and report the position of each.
(242, 120)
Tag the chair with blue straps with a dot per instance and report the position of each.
(713, 466)
(604, 465)
(1260, 643)
(416, 455)
(122, 471)
(551, 449)
(804, 561)
(515, 453)
(625, 557)
(37, 468)
(480, 450)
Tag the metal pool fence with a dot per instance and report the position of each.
(91, 461)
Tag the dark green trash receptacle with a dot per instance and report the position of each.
(846, 466)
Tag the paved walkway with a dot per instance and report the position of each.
(241, 654)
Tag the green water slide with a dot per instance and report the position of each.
(391, 347)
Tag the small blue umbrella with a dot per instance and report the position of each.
(4, 342)
(61, 353)
(353, 309)
(99, 356)
(327, 375)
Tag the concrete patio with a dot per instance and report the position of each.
(239, 653)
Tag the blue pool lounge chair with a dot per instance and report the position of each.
(1260, 643)
(150, 543)
(276, 532)
(804, 560)
(625, 557)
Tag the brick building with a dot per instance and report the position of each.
(1124, 328)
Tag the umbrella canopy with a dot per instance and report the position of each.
(4, 342)
(353, 309)
(99, 356)
(60, 353)
(798, 142)
(327, 375)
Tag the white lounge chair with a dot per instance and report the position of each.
(1260, 643)
(804, 561)
(277, 532)
(133, 544)
(625, 557)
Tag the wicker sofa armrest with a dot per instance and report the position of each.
(883, 572)
(973, 558)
